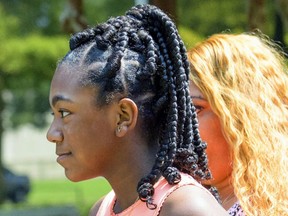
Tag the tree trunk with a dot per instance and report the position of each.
(282, 9)
(168, 6)
(281, 22)
(279, 29)
(72, 18)
(256, 15)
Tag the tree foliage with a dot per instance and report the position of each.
(34, 16)
(210, 16)
(27, 68)
(32, 40)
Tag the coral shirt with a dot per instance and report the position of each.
(162, 191)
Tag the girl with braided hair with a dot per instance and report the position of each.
(122, 110)
(240, 89)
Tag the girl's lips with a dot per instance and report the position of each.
(63, 156)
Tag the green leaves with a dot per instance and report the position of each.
(26, 69)
(34, 55)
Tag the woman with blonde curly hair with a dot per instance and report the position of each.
(240, 90)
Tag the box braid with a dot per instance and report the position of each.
(141, 56)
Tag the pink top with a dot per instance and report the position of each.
(162, 191)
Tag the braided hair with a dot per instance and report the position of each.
(141, 56)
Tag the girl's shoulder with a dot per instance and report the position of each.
(191, 200)
(188, 197)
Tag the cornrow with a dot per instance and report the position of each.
(141, 56)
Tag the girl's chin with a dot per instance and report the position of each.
(77, 177)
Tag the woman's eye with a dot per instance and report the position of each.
(64, 113)
(198, 109)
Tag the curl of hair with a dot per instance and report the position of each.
(244, 78)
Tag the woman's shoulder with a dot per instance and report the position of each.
(191, 200)
(236, 210)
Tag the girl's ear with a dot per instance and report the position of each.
(127, 116)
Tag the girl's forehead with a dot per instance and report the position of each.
(71, 69)
(65, 74)
(66, 81)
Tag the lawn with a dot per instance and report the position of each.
(57, 193)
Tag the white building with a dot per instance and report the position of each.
(26, 151)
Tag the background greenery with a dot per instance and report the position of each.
(32, 40)
(49, 193)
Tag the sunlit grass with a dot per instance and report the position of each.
(82, 195)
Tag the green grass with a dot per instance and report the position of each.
(82, 195)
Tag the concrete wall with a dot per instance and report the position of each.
(26, 151)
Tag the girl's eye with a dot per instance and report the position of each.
(64, 113)
(198, 109)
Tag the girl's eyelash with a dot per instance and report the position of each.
(62, 112)
(199, 108)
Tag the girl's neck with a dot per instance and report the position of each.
(119, 207)
(124, 180)
(125, 192)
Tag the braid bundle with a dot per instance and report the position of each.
(180, 143)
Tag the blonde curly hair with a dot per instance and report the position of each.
(245, 80)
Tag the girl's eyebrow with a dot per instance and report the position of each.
(58, 98)
(197, 97)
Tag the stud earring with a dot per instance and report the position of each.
(119, 128)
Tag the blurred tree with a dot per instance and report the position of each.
(210, 16)
(72, 18)
(281, 22)
(26, 69)
(258, 12)
(8, 24)
(26, 66)
(256, 15)
(75, 13)
(168, 6)
(2, 183)
(100, 10)
(35, 16)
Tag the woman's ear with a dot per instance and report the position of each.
(127, 116)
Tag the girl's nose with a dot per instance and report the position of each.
(54, 134)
